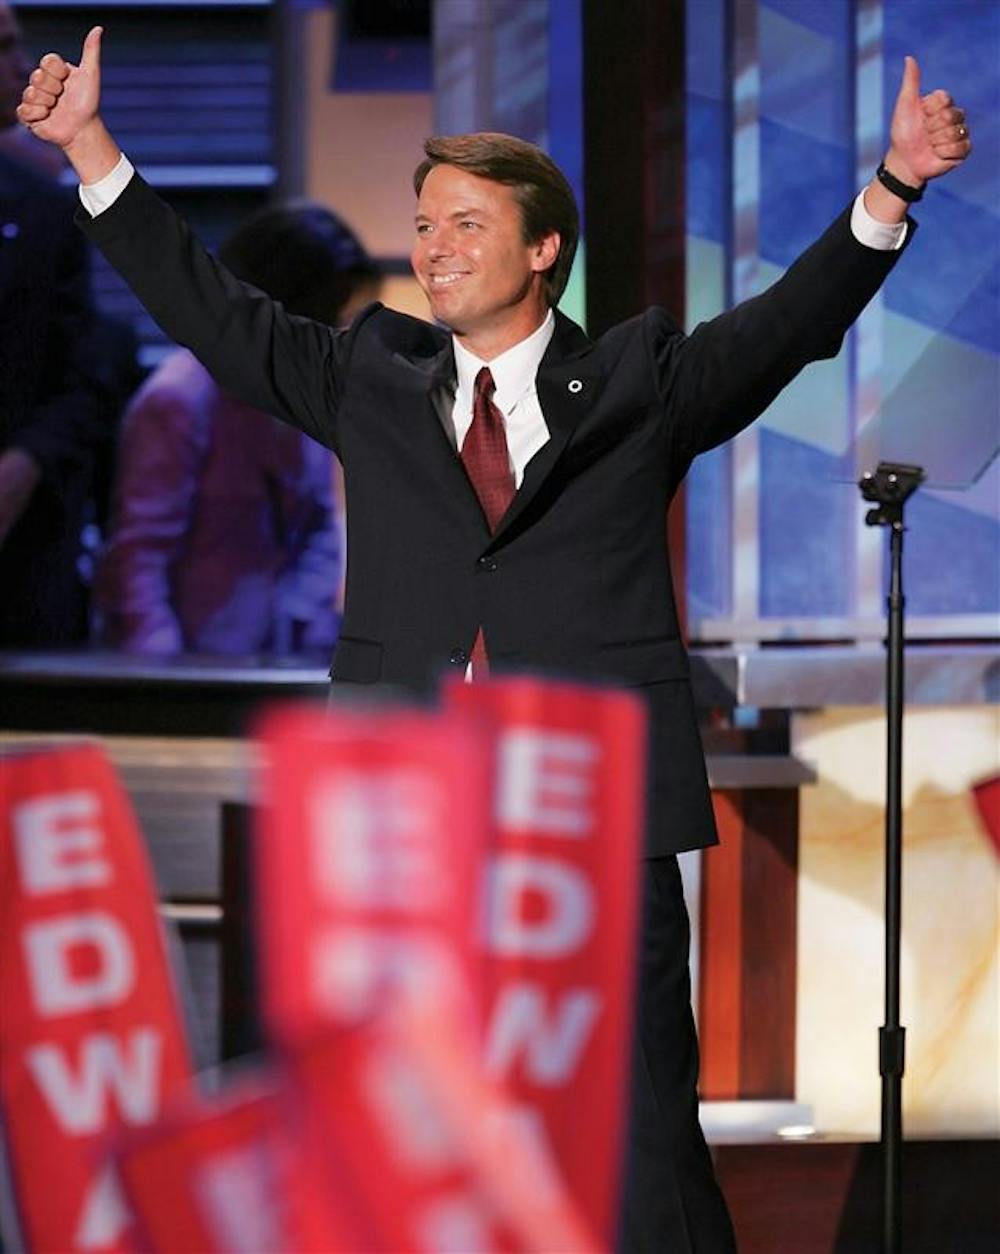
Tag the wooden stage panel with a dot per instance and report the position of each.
(749, 901)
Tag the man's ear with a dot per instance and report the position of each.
(545, 251)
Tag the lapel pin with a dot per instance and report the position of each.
(575, 386)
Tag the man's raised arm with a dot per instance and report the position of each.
(287, 366)
(732, 367)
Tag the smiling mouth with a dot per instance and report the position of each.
(444, 280)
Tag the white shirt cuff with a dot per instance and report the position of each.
(97, 197)
(887, 237)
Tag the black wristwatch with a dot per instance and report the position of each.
(903, 190)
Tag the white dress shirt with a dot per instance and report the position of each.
(515, 396)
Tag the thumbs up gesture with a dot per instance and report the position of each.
(61, 99)
(928, 135)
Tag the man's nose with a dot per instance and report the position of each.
(441, 243)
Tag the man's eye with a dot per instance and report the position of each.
(468, 224)
(423, 228)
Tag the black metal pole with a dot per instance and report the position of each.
(892, 1036)
(890, 485)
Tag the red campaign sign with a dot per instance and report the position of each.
(369, 865)
(375, 1128)
(511, 1166)
(561, 916)
(91, 1039)
(232, 1174)
(405, 1121)
(368, 859)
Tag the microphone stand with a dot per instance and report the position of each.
(889, 486)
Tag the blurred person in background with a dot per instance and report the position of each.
(17, 141)
(224, 535)
(53, 422)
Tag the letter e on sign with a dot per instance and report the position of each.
(546, 781)
(58, 842)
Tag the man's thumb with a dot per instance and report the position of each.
(90, 57)
(911, 78)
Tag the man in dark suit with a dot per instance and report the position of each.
(49, 421)
(507, 482)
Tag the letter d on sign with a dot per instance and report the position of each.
(57, 989)
(569, 917)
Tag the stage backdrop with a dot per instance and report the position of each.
(788, 106)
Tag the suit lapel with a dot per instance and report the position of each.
(566, 382)
(430, 384)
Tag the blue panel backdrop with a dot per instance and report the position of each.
(707, 138)
(940, 330)
(954, 537)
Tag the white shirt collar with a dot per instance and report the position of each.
(513, 371)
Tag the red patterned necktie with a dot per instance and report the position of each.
(487, 463)
(484, 452)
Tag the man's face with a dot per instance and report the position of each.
(14, 67)
(481, 278)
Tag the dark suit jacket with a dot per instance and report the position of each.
(575, 580)
(48, 403)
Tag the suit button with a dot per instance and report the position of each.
(459, 657)
(487, 564)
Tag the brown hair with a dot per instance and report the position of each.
(541, 189)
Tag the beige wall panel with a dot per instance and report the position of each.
(361, 148)
(404, 294)
(950, 993)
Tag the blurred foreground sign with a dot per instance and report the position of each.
(446, 914)
(231, 1175)
(560, 917)
(90, 1035)
(460, 886)
(368, 862)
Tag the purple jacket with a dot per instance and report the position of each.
(224, 537)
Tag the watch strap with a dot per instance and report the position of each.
(903, 190)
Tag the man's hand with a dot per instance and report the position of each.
(60, 105)
(928, 136)
(19, 476)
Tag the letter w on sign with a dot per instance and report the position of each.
(90, 1034)
(561, 917)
